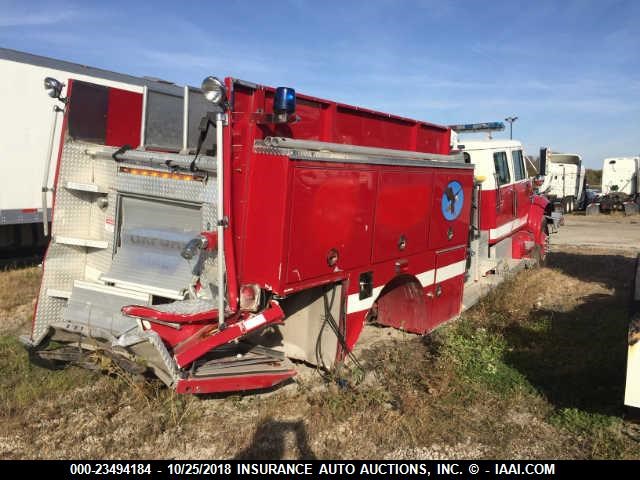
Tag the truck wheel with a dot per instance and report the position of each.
(565, 206)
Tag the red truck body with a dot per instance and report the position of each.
(386, 232)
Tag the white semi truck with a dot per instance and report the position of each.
(562, 176)
(620, 186)
(29, 148)
(620, 174)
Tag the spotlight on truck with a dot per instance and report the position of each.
(53, 87)
(214, 90)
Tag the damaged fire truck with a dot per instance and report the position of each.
(211, 239)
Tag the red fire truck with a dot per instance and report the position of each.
(212, 243)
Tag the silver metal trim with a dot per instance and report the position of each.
(357, 149)
(161, 159)
(47, 171)
(426, 160)
(143, 123)
(154, 339)
(80, 242)
(86, 187)
(185, 121)
(220, 121)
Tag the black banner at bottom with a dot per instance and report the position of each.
(172, 469)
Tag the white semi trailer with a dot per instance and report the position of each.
(28, 147)
(562, 176)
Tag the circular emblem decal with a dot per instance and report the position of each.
(452, 200)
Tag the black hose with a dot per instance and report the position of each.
(329, 320)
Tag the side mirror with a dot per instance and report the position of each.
(53, 87)
(543, 161)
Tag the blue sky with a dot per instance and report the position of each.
(569, 70)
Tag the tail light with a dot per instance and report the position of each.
(249, 297)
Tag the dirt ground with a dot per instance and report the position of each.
(536, 370)
(613, 231)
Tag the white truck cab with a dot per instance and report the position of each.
(620, 174)
(563, 176)
(504, 195)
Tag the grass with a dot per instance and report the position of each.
(18, 287)
(536, 370)
(22, 383)
(78, 413)
(478, 357)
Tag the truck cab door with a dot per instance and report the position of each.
(522, 186)
(505, 201)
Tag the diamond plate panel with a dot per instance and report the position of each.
(64, 264)
(82, 214)
(186, 307)
(194, 192)
(103, 218)
(49, 311)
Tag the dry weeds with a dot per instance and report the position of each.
(531, 372)
(18, 291)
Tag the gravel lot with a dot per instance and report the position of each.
(615, 231)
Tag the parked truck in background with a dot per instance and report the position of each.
(29, 148)
(620, 186)
(562, 179)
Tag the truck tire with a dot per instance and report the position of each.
(565, 206)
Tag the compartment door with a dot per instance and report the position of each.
(402, 212)
(449, 225)
(152, 235)
(446, 292)
(331, 215)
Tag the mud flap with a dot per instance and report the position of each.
(593, 209)
(631, 208)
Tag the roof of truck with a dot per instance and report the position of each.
(76, 68)
(617, 159)
(565, 158)
(558, 154)
(488, 144)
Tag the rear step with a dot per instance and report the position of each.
(237, 367)
(211, 337)
(94, 310)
